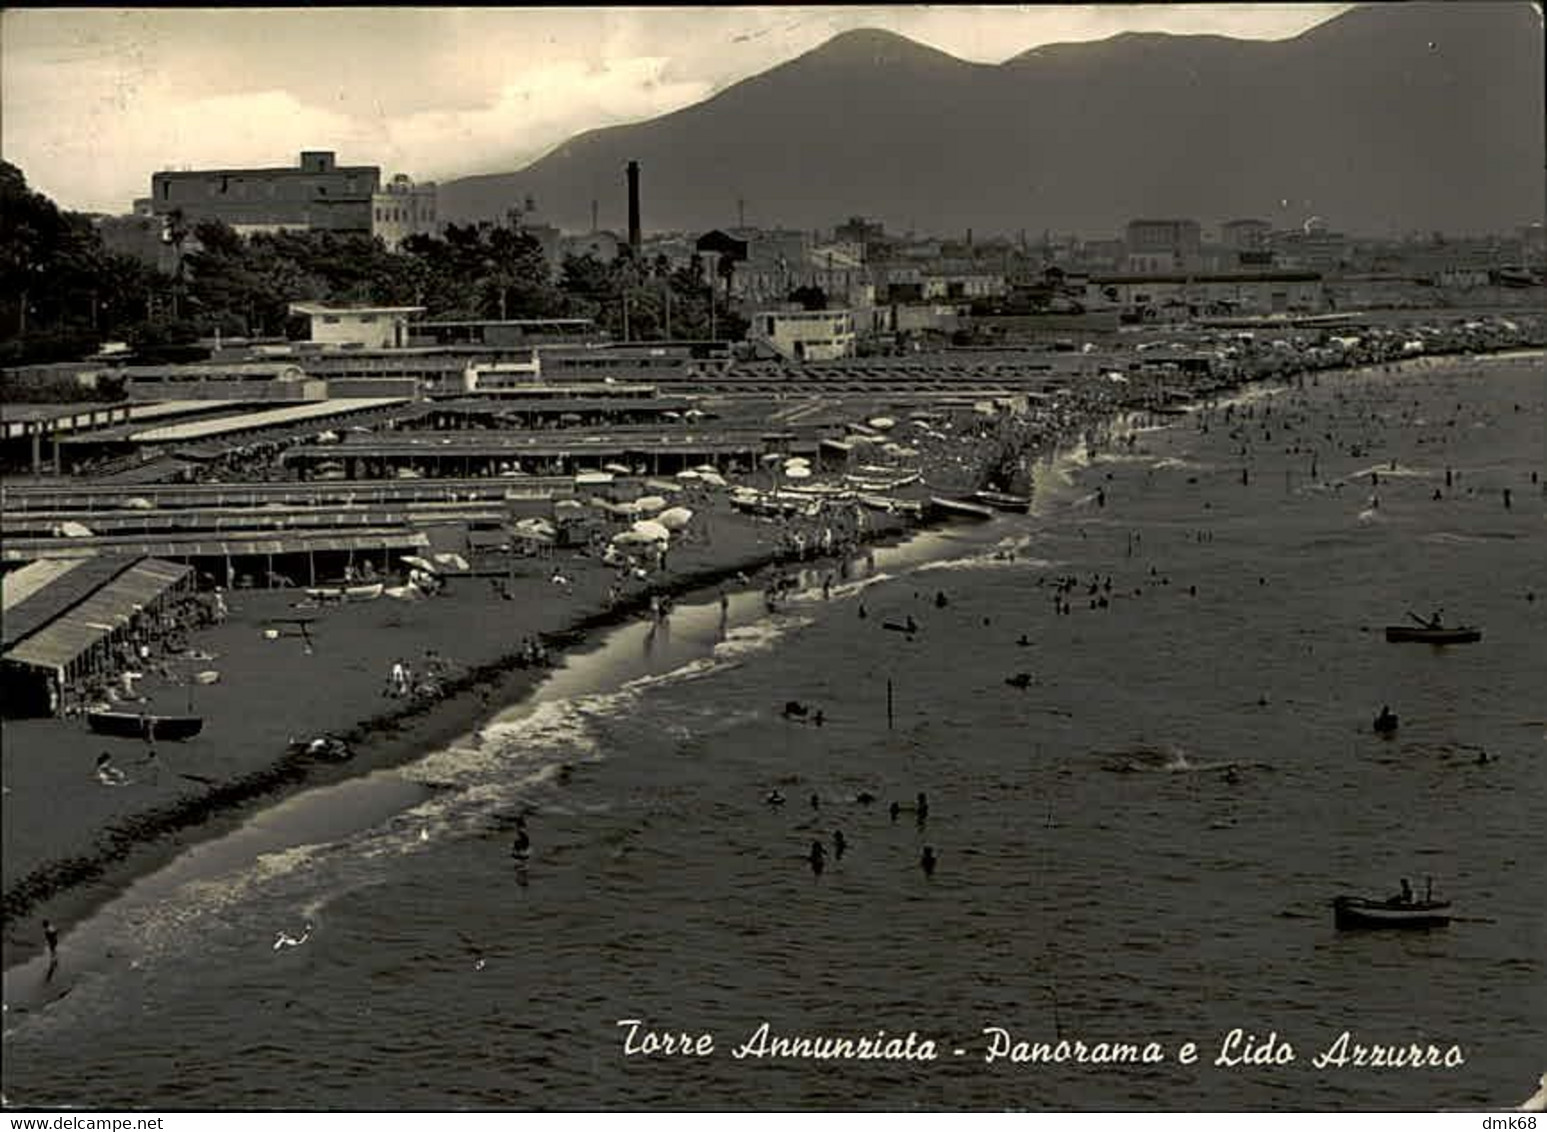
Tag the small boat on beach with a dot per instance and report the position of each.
(1354, 912)
(1434, 635)
(960, 508)
(1004, 501)
(136, 725)
(366, 592)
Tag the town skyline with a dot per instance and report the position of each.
(96, 100)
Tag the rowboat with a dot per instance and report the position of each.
(1004, 501)
(960, 508)
(1431, 635)
(133, 725)
(367, 592)
(1352, 912)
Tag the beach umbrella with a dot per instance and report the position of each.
(713, 478)
(649, 504)
(72, 529)
(675, 518)
(706, 469)
(687, 474)
(632, 538)
(695, 414)
(797, 471)
(882, 423)
(139, 503)
(569, 506)
(455, 561)
(772, 458)
(652, 530)
(538, 528)
(615, 469)
(418, 563)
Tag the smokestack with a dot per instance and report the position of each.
(633, 206)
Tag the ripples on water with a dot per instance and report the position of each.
(1099, 877)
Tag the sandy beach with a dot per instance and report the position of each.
(275, 692)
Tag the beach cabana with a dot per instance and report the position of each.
(78, 641)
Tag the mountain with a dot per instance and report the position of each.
(1386, 119)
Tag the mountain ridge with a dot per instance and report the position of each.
(1438, 128)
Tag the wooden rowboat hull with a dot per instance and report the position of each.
(1462, 635)
(130, 725)
(1352, 913)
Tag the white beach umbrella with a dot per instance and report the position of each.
(568, 506)
(706, 469)
(632, 538)
(615, 469)
(882, 423)
(797, 471)
(457, 562)
(649, 504)
(675, 518)
(714, 479)
(418, 563)
(139, 503)
(652, 530)
(772, 458)
(687, 474)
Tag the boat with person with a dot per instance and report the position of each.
(1433, 631)
(1350, 913)
(138, 725)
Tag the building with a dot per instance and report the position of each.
(403, 209)
(1154, 295)
(371, 328)
(318, 194)
(1245, 235)
(805, 335)
(1163, 245)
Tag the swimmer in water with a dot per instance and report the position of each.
(895, 810)
(285, 939)
(928, 860)
(51, 938)
(816, 801)
(840, 843)
(922, 806)
(864, 797)
(817, 857)
(774, 798)
(107, 773)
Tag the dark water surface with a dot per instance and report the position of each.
(1100, 878)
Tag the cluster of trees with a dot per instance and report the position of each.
(62, 293)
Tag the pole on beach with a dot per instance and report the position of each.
(888, 704)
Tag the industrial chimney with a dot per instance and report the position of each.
(633, 207)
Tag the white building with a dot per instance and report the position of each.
(401, 209)
(370, 328)
(806, 335)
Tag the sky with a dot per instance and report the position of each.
(93, 101)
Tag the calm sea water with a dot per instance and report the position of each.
(1100, 877)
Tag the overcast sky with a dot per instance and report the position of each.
(96, 100)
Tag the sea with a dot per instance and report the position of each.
(1140, 717)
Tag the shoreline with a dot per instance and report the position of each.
(145, 841)
(135, 845)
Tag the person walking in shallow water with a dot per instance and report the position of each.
(928, 861)
(817, 857)
(51, 938)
